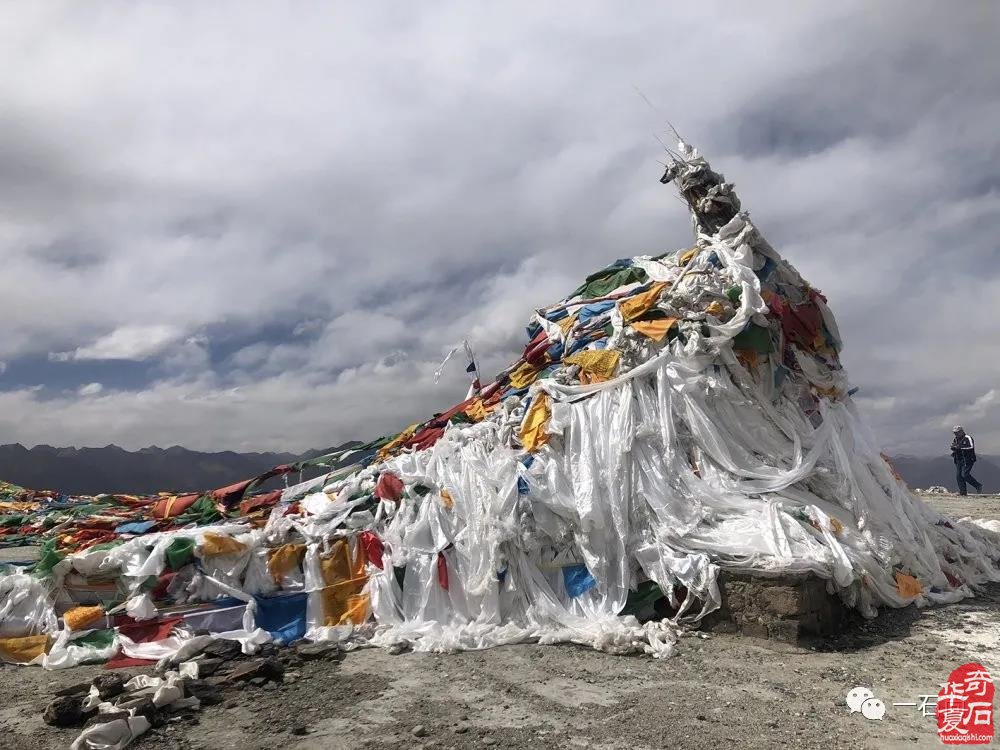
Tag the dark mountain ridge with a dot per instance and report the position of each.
(88, 471)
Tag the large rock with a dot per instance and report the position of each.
(783, 608)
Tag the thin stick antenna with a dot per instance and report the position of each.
(673, 154)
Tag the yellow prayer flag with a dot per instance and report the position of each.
(568, 322)
(715, 308)
(599, 362)
(523, 376)
(654, 329)
(22, 650)
(219, 544)
(281, 560)
(344, 580)
(397, 441)
(533, 434)
(476, 411)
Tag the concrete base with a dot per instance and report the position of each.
(784, 608)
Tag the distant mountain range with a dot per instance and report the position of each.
(113, 469)
(88, 471)
(921, 473)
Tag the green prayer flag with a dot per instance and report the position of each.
(179, 553)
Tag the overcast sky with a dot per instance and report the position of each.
(259, 226)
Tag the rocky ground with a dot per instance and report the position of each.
(719, 690)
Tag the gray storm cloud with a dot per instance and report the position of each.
(287, 215)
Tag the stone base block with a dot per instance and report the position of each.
(784, 608)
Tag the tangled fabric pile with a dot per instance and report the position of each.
(675, 415)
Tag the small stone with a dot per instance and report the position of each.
(230, 704)
(223, 650)
(300, 730)
(460, 730)
(108, 716)
(319, 650)
(258, 681)
(79, 687)
(208, 695)
(141, 706)
(268, 669)
(419, 731)
(109, 685)
(65, 711)
(701, 717)
(207, 666)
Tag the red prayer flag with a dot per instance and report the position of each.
(442, 570)
(388, 486)
(373, 548)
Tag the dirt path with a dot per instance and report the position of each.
(717, 691)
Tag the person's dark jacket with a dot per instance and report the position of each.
(963, 449)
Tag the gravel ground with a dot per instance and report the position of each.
(718, 690)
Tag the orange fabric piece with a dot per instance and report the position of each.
(219, 544)
(172, 505)
(686, 256)
(654, 329)
(748, 358)
(344, 579)
(283, 559)
(22, 650)
(356, 609)
(336, 565)
(476, 411)
(447, 500)
(587, 378)
(908, 586)
(344, 603)
(635, 306)
(892, 468)
(715, 308)
(79, 618)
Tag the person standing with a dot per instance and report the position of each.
(963, 453)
